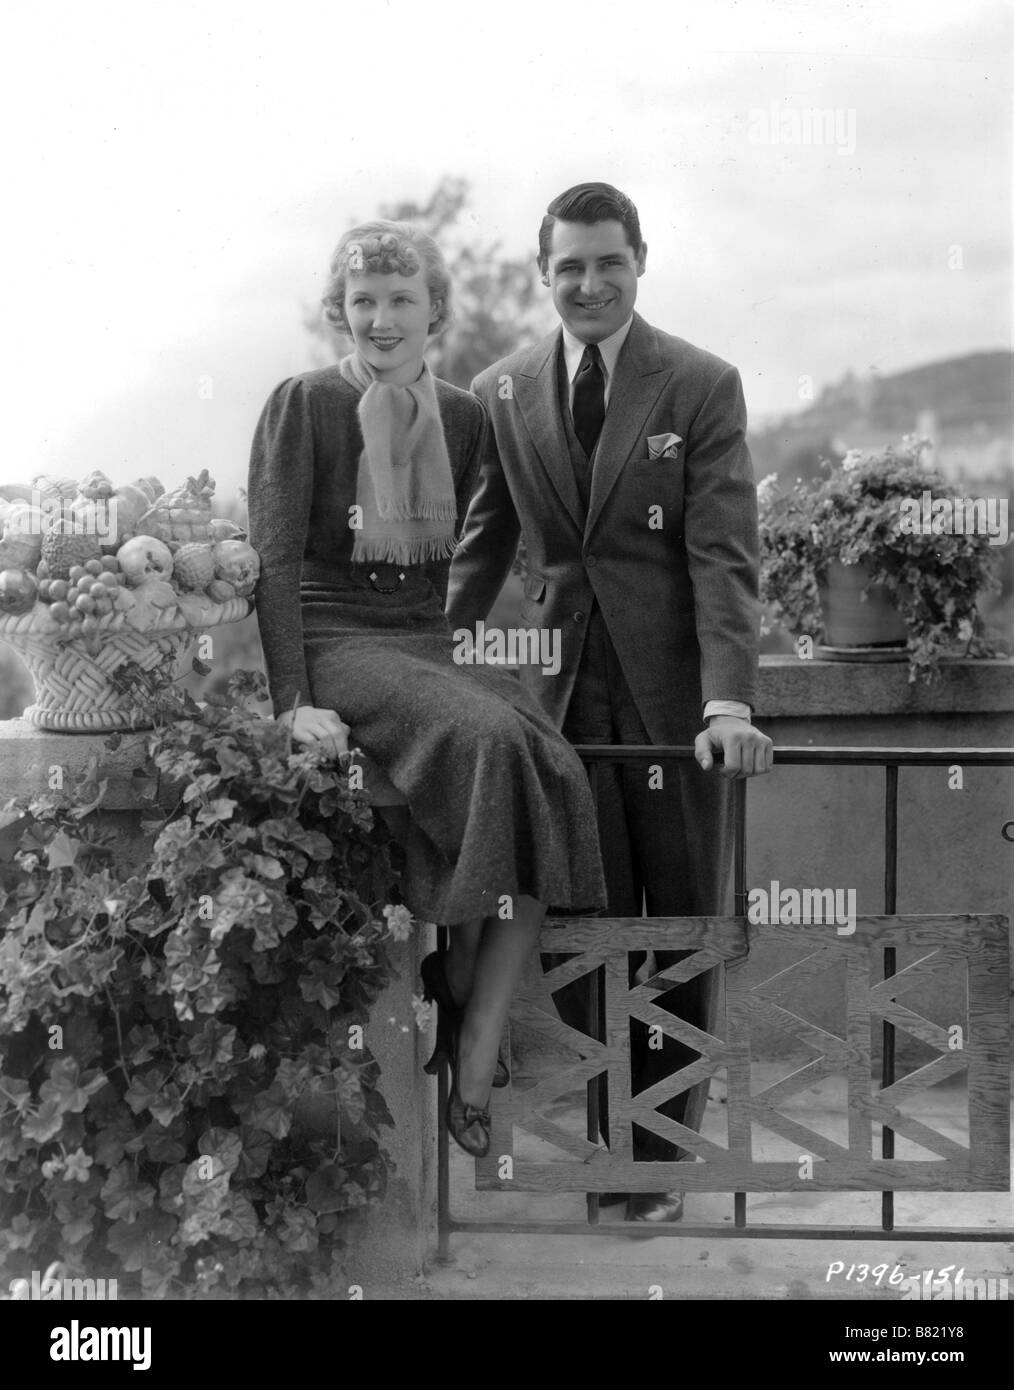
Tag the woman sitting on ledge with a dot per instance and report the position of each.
(360, 476)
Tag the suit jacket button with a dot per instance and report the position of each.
(579, 616)
(589, 559)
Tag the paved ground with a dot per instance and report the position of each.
(613, 1266)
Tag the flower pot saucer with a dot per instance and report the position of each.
(884, 653)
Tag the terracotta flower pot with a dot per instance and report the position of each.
(852, 621)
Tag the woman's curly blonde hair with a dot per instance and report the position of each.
(387, 248)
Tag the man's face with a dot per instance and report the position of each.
(593, 273)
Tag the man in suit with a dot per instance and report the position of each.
(618, 452)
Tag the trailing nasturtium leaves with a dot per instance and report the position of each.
(20, 1233)
(141, 1043)
(238, 899)
(201, 989)
(349, 1092)
(124, 1197)
(255, 1153)
(223, 1146)
(239, 1220)
(165, 1107)
(213, 1045)
(45, 1123)
(90, 791)
(14, 1094)
(145, 1089)
(163, 1143)
(322, 984)
(135, 1242)
(219, 809)
(205, 1183)
(113, 1138)
(325, 1189)
(68, 1088)
(78, 1227)
(266, 865)
(269, 1111)
(298, 1230)
(62, 851)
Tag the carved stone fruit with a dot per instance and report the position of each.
(131, 505)
(143, 558)
(65, 545)
(194, 566)
(96, 486)
(239, 563)
(222, 529)
(221, 590)
(55, 485)
(19, 551)
(151, 487)
(18, 591)
(182, 515)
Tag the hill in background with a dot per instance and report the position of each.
(963, 404)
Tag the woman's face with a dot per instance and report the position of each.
(390, 317)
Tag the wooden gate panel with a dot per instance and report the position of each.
(970, 950)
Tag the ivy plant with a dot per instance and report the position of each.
(162, 1018)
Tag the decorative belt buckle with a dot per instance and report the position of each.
(384, 588)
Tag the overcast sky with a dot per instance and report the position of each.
(177, 174)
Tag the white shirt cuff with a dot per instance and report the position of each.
(733, 707)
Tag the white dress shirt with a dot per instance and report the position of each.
(573, 351)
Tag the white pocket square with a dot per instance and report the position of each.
(663, 446)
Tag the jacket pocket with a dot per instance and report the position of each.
(660, 465)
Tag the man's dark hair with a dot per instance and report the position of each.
(589, 203)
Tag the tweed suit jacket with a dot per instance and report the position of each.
(668, 546)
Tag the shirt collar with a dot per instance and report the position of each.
(573, 349)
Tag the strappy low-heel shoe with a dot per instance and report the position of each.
(469, 1125)
(436, 989)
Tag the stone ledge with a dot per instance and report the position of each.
(27, 753)
(789, 688)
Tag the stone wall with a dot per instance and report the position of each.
(824, 826)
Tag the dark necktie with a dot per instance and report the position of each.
(589, 399)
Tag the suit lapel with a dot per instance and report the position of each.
(640, 377)
(536, 392)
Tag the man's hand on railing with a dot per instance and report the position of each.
(746, 752)
(312, 726)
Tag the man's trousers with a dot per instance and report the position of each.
(667, 853)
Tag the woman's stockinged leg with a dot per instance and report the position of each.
(504, 948)
(463, 943)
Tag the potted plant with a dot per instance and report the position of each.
(875, 554)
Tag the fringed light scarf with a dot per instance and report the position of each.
(404, 486)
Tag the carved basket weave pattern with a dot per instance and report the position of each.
(73, 689)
